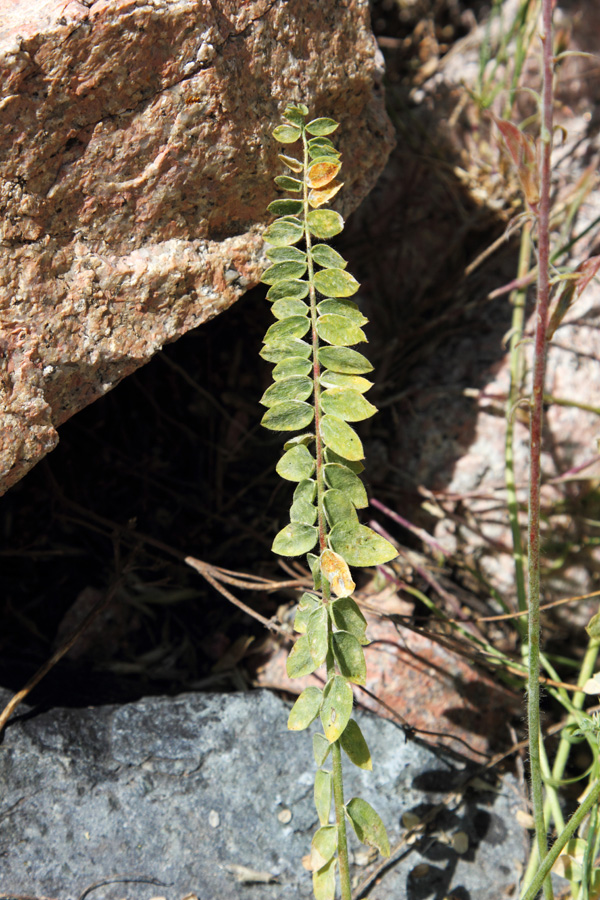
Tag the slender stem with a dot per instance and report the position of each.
(537, 401)
(336, 754)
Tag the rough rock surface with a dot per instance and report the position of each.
(182, 790)
(136, 167)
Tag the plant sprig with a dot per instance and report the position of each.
(319, 385)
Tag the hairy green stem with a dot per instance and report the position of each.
(537, 401)
(336, 755)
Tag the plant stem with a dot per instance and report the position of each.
(537, 401)
(336, 754)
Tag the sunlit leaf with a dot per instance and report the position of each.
(321, 748)
(279, 351)
(368, 826)
(319, 196)
(295, 539)
(350, 406)
(283, 254)
(324, 223)
(289, 306)
(355, 746)
(334, 379)
(323, 786)
(291, 288)
(291, 415)
(321, 146)
(336, 708)
(348, 617)
(298, 387)
(360, 545)
(296, 114)
(341, 478)
(336, 282)
(281, 234)
(294, 365)
(304, 512)
(288, 184)
(350, 657)
(338, 435)
(285, 329)
(307, 605)
(315, 568)
(285, 207)
(306, 490)
(339, 331)
(282, 271)
(287, 134)
(297, 464)
(300, 663)
(346, 308)
(322, 126)
(344, 361)
(321, 171)
(317, 634)
(339, 508)
(324, 881)
(307, 439)
(305, 710)
(323, 846)
(354, 465)
(294, 164)
(326, 256)
(336, 571)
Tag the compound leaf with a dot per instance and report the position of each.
(298, 387)
(300, 662)
(338, 435)
(291, 415)
(295, 539)
(349, 405)
(344, 361)
(355, 746)
(350, 657)
(305, 710)
(297, 464)
(324, 223)
(360, 545)
(368, 826)
(335, 282)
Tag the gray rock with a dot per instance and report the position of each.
(182, 790)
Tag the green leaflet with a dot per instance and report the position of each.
(286, 329)
(283, 254)
(348, 617)
(306, 490)
(300, 662)
(349, 405)
(307, 439)
(305, 710)
(323, 846)
(341, 438)
(355, 466)
(341, 307)
(326, 256)
(307, 605)
(322, 126)
(287, 134)
(282, 271)
(292, 415)
(295, 539)
(339, 331)
(316, 632)
(355, 746)
(354, 382)
(285, 207)
(321, 146)
(289, 306)
(298, 387)
(293, 365)
(336, 707)
(282, 350)
(324, 881)
(324, 223)
(336, 283)
(281, 233)
(289, 288)
(360, 546)
(338, 507)
(314, 564)
(368, 826)
(342, 479)
(295, 113)
(297, 464)
(304, 512)
(349, 657)
(321, 748)
(344, 361)
(323, 787)
(288, 184)
(294, 164)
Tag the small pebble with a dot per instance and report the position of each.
(285, 816)
(214, 818)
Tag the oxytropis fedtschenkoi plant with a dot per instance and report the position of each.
(318, 389)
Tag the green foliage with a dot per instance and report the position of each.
(318, 382)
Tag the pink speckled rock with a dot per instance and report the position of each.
(136, 167)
